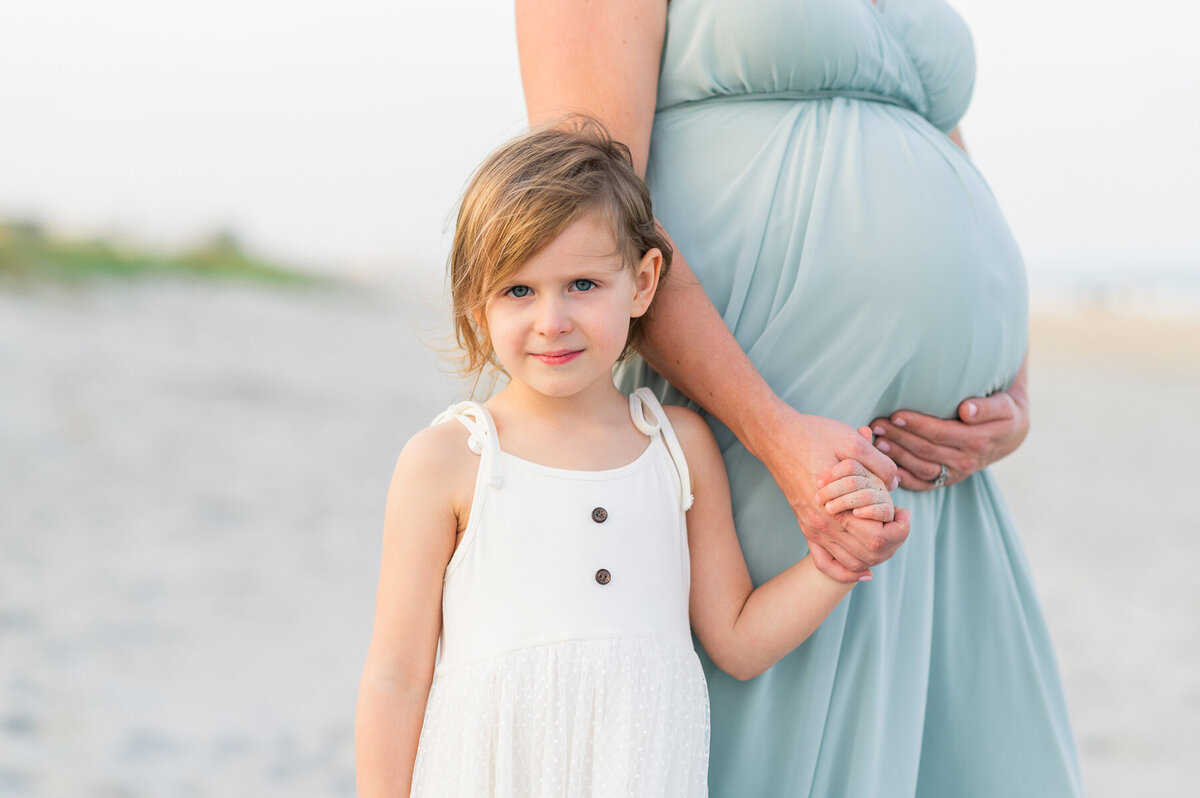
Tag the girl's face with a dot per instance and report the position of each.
(560, 323)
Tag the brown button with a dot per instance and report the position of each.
(599, 515)
(603, 576)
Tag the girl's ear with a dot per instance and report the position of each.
(645, 281)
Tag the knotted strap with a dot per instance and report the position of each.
(483, 441)
(643, 400)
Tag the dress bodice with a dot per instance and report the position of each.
(915, 53)
(552, 555)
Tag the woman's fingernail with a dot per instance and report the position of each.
(880, 430)
(865, 578)
(895, 483)
(972, 409)
(899, 422)
(882, 446)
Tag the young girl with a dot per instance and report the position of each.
(548, 539)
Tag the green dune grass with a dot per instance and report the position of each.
(29, 252)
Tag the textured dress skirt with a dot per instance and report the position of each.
(800, 160)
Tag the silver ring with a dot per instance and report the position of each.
(942, 476)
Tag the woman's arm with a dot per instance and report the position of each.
(599, 58)
(746, 630)
(957, 137)
(603, 58)
(420, 526)
(988, 428)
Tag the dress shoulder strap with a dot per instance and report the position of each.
(483, 441)
(643, 401)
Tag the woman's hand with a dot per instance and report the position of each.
(798, 450)
(988, 429)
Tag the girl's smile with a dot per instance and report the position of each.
(558, 358)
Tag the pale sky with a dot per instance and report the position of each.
(342, 132)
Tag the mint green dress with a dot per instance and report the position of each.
(800, 161)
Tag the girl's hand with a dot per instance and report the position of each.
(798, 449)
(848, 487)
(987, 429)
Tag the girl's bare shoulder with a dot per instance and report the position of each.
(699, 446)
(690, 427)
(441, 445)
(438, 462)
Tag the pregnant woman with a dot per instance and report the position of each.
(839, 259)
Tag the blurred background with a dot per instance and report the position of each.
(222, 230)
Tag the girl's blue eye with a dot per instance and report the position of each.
(518, 291)
(583, 285)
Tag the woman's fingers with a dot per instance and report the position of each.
(927, 470)
(845, 468)
(980, 410)
(897, 442)
(876, 541)
(929, 441)
(919, 468)
(898, 529)
(850, 562)
(945, 432)
(827, 565)
(910, 482)
(860, 449)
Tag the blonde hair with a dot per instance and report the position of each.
(522, 197)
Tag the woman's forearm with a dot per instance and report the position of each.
(688, 343)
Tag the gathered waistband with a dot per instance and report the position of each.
(822, 94)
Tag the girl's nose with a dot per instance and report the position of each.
(553, 317)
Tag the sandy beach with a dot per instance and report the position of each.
(191, 486)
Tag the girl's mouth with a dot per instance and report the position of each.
(559, 357)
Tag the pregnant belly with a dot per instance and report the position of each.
(855, 252)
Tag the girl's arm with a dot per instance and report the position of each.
(603, 59)
(420, 526)
(746, 630)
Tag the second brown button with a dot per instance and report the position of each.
(603, 576)
(599, 515)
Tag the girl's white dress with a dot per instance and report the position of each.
(566, 665)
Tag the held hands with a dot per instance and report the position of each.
(988, 429)
(798, 450)
(849, 487)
